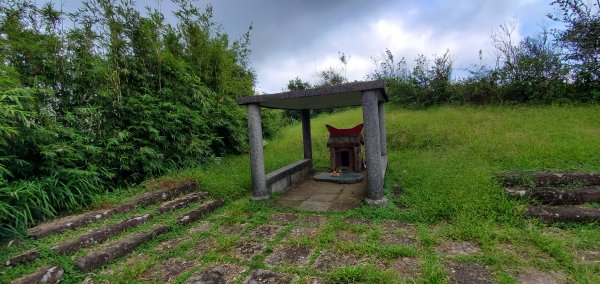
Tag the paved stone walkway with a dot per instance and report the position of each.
(318, 196)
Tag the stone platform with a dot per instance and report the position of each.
(311, 195)
(343, 178)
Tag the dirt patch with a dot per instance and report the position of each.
(248, 250)
(312, 280)
(167, 271)
(409, 267)
(283, 217)
(267, 232)
(260, 276)
(330, 260)
(458, 248)
(461, 272)
(532, 276)
(588, 256)
(224, 273)
(170, 244)
(313, 220)
(293, 255)
(202, 227)
(391, 239)
(302, 232)
(344, 236)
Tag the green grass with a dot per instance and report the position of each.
(444, 158)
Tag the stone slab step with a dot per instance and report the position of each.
(118, 249)
(558, 196)
(564, 213)
(180, 202)
(202, 210)
(85, 240)
(165, 194)
(76, 221)
(543, 179)
(48, 274)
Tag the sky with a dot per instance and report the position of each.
(299, 38)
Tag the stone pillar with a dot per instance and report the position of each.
(306, 139)
(382, 130)
(257, 163)
(373, 149)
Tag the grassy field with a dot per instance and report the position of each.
(445, 160)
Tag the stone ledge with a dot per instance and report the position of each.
(281, 178)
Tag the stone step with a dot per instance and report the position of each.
(118, 249)
(75, 221)
(558, 196)
(165, 194)
(85, 240)
(48, 274)
(124, 246)
(564, 213)
(180, 202)
(202, 210)
(543, 179)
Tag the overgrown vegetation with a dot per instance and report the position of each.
(116, 97)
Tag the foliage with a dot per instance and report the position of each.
(119, 96)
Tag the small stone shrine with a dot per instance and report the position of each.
(345, 148)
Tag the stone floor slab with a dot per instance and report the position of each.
(248, 250)
(588, 256)
(302, 232)
(327, 197)
(233, 229)
(310, 195)
(408, 267)
(204, 246)
(296, 255)
(329, 260)
(260, 276)
(167, 271)
(267, 232)
(358, 221)
(201, 227)
(170, 244)
(395, 226)
(391, 239)
(283, 217)
(532, 276)
(458, 248)
(316, 206)
(345, 236)
(224, 273)
(471, 273)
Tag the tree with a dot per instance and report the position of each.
(581, 39)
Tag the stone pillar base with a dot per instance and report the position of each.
(378, 202)
(259, 198)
